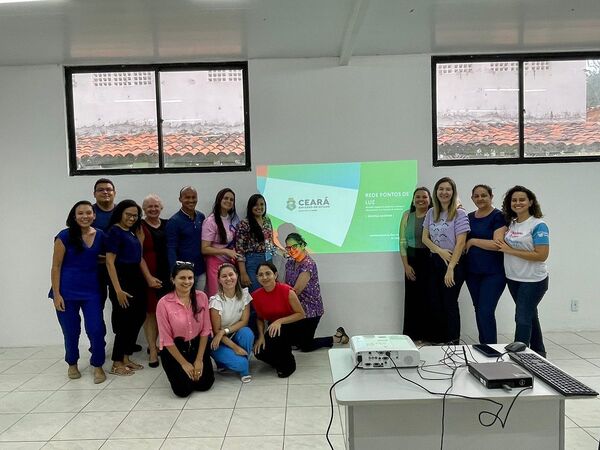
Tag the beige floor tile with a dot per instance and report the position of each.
(585, 413)
(192, 443)
(115, 400)
(22, 402)
(253, 396)
(92, 425)
(563, 338)
(160, 398)
(66, 401)
(258, 442)
(311, 420)
(309, 395)
(201, 423)
(257, 422)
(146, 424)
(133, 444)
(578, 439)
(313, 442)
(36, 427)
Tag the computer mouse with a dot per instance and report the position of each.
(515, 347)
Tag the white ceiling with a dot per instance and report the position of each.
(115, 31)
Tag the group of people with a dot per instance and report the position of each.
(200, 287)
(442, 247)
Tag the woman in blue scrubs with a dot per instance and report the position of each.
(76, 287)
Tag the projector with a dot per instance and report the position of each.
(375, 351)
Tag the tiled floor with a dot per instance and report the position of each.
(41, 408)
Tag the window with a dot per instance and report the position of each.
(516, 109)
(158, 118)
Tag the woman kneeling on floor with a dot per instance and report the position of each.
(184, 327)
(229, 313)
(277, 304)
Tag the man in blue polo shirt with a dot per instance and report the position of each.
(104, 193)
(184, 235)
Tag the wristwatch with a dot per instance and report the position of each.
(226, 330)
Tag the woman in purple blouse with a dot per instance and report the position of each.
(445, 234)
(301, 273)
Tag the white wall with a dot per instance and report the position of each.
(301, 111)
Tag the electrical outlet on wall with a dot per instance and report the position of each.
(574, 305)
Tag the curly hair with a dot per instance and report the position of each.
(535, 210)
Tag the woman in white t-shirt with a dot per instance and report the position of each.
(526, 246)
(229, 312)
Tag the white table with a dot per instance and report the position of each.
(385, 412)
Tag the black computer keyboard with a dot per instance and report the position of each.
(552, 375)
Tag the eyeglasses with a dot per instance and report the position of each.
(108, 190)
(184, 264)
(131, 216)
(293, 246)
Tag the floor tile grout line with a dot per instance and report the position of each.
(232, 414)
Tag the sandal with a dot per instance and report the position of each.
(122, 371)
(341, 336)
(134, 366)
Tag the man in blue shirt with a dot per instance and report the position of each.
(104, 193)
(184, 235)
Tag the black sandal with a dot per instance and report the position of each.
(341, 336)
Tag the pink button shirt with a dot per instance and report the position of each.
(175, 320)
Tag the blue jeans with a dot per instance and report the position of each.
(527, 296)
(486, 290)
(253, 260)
(70, 322)
(224, 356)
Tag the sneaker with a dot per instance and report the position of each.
(246, 378)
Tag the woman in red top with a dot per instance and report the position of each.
(277, 304)
(184, 328)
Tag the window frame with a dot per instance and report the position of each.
(69, 71)
(520, 58)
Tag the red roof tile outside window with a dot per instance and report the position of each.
(477, 116)
(202, 116)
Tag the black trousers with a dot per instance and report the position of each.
(443, 302)
(181, 383)
(416, 295)
(278, 352)
(302, 335)
(127, 322)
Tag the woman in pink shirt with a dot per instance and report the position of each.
(184, 327)
(218, 235)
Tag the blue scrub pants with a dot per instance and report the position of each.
(226, 357)
(70, 322)
(527, 296)
(486, 290)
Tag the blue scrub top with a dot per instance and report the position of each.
(479, 260)
(125, 245)
(79, 270)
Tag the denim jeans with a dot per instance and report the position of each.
(527, 296)
(486, 290)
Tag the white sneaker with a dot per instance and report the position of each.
(246, 378)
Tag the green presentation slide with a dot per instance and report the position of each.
(339, 208)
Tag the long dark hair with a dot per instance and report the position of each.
(413, 208)
(535, 210)
(217, 213)
(117, 214)
(178, 267)
(255, 228)
(75, 237)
